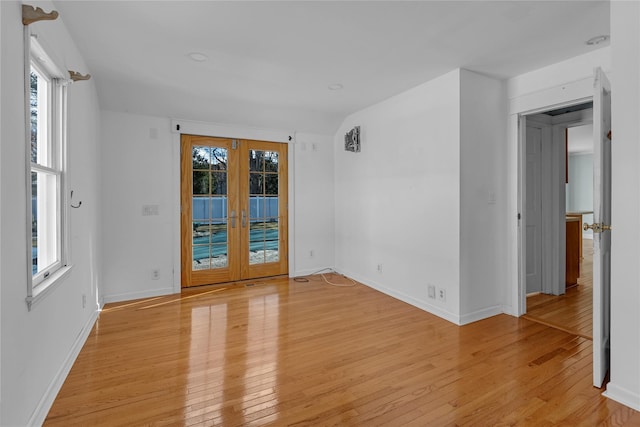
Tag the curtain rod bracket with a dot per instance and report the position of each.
(75, 76)
(31, 14)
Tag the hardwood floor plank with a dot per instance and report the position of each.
(573, 311)
(306, 354)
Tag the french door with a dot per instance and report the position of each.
(234, 210)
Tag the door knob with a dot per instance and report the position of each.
(596, 227)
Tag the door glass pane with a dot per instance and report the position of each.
(201, 257)
(256, 160)
(201, 181)
(257, 254)
(201, 208)
(219, 159)
(257, 207)
(209, 208)
(270, 162)
(201, 157)
(219, 256)
(201, 233)
(271, 207)
(256, 183)
(256, 233)
(218, 183)
(263, 207)
(272, 253)
(271, 183)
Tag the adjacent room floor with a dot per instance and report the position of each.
(573, 311)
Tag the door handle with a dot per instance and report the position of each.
(233, 217)
(596, 227)
(244, 218)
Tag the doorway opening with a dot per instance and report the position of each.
(559, 147)
(544, 244)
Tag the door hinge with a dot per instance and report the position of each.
(519, 216)
(234, 144)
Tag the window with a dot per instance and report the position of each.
(46, 151)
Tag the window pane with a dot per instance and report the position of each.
(33, 99)
(45, 218)
(39, 106)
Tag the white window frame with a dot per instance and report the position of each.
(54, 126)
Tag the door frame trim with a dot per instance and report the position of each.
(557, 96)
(178, 127)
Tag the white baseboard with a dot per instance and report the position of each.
(44, 405)
(622, 395)
(308, 272)
(485, 313)
(138, 295)
(423, 305)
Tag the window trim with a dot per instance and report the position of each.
(42, 283)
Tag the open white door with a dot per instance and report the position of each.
(601, 225)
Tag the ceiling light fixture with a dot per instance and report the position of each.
(198, 57)
(335, 86)
(597, 40)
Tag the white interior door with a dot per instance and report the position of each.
(601, 219)
(534, 209)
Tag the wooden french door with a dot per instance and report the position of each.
(234, 210)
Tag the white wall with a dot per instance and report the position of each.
(140, 158)
(38, 347)
(425, 198)
(397, 201)
(625, 235)
(483, 195)
(137, 164)
(313, 223)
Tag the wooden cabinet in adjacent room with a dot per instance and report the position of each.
(574, 238)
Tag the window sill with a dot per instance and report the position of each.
(45, 287)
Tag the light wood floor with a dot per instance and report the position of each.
(573, 311)
(309, 354)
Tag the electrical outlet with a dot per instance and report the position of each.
(431, 291)
(155, 274)
(379, 268)
(311, 253)
(442, 295)
(84, 300)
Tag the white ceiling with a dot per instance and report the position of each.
(270, 63)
